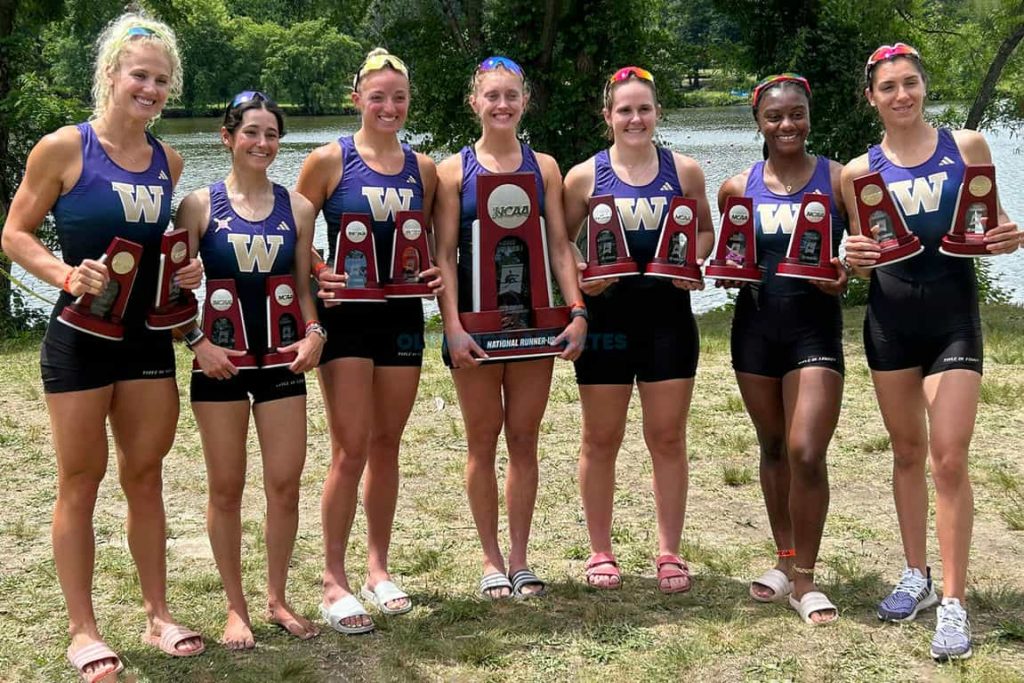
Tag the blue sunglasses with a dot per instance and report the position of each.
(492, 63)
(248, 96)
(140, 31)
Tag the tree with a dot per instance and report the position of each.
(310, 64)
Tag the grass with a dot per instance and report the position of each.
(714, 633)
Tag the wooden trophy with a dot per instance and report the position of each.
(736, 251)
(224, 324)
(809, 256)
(876, 207)
(284, 321)
(101, 315)
(513, 313)
(977, 212)
(607, 249)
(676, 255)
(174, 306)
(410, 255)
(355, 255)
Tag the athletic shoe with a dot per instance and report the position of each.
(912, 594)
(952, 639)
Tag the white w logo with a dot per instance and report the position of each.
(385, 202)
(139, 200)
(641, 212)
(775, 217)
(919, 192)
(251, 251)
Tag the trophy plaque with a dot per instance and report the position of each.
(976, 212)
(284, 321)
(513, 315)
(676, 254)
(410, 254)
(174, 306)
(607, 249)
(736, 251)
(101, 314)
(355, 255)
(809, 256)
(875, 207)
(223, 323)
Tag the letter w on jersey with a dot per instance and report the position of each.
(385, 202)
(776, 217)
(139, 200)
(645, 213)
(253, 253)
(913, 195)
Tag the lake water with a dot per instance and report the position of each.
(722, 139)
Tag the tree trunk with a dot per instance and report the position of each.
(8, 8)
(995, 69)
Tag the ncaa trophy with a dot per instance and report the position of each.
(223, 323)
(676, 254)
(355, 255)
(284, 321)
(513, 315)
(174, 306)
(101, 314)
(736, 251)
(976, 213)
(876, 207)
(607, 249)
(809, 256)
(410, 254)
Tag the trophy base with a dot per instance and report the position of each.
(73, 316)
(621, 268)
(278, 360)
(964, 246)
(802, 271)
(503, 345)
(900, 251)
(172, 316)
(673, 272)
(358, 295)
(723, 270)
(407, 290)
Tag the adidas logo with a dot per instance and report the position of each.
(284, 226)
(411, 179)
(666, 186)
(946, 161)
(163, 176)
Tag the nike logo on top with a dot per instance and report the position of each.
(666, 186)
(946, 161)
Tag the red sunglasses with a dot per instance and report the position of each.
(788, 77)
(885, 52)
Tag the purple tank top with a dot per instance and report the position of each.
(775, 217)
(364, 190)
(108, 202)
(926, 194)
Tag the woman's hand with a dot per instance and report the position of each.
(308, 349)
(215, 361)
(1005, 238)
(329, 282)
(863, 251)
(463, 350)
(88, 277)
(837, 287)
(191, 275)
(432, 276)
(594, 287)
(574, 336)
(690, 285)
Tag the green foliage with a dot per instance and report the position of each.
(311, 64)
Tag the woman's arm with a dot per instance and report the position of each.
(310, 346)
(691, 179)
(579, 185)
(428, 174)
(862, 251)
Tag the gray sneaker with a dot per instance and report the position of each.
(952, 639)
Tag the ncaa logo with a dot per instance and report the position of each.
(411, 229)
(682, 215)
(601, 214)
(221, 300)
(508, 206)
(356, 231)
(739, 215)
(814, 212)
(284, 295)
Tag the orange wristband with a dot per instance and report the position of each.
(319, 268)
(67, 281)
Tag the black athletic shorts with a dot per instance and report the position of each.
(933, 325)
(640, 330)
(389, 333)
(72, 360)
(262, 384)
(773, 335)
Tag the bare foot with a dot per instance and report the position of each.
(183, 648)
(802, 587)
(238, 632)
(283, 615)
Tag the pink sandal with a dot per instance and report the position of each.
(603, 564)
(671, 567)
(171, 637)
(90, 654)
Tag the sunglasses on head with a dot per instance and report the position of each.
(492, 63)
(140, 31)
(885, 52)
(627, 72)
(378, 62)
(248, 96)
(788, 77)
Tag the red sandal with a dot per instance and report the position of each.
(603, 564)
(671, 567)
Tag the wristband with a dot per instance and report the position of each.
(193, 337)
(577, 304)
(314, 327)
(67, 281)
(319, 268)
(578, 312)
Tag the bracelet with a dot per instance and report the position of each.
(312, 322)
(578, 304)
(319, 268)
(578, 312)
(67, 280)
(193, 337)
(314, 327)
